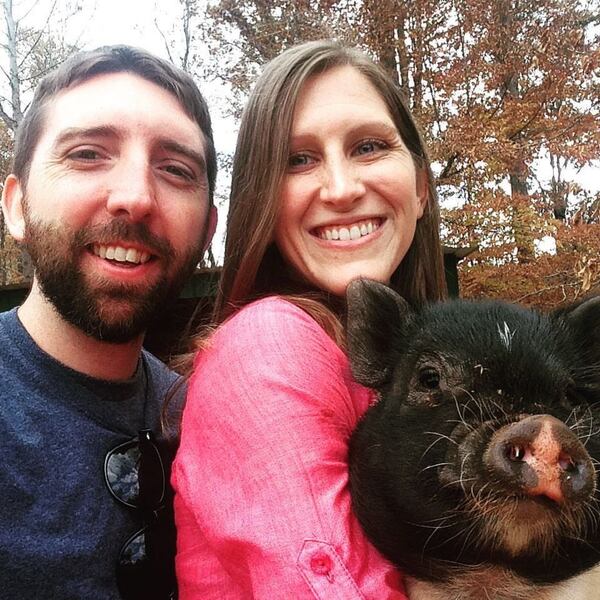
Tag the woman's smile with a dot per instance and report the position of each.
(351, 231)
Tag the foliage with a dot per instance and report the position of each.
(29, 53)
(570, 274)
(508, 96)
(14, 265)
(41, 53)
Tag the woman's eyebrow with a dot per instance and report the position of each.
(373, 127)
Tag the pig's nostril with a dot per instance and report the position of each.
(515, 452)
(567, 464)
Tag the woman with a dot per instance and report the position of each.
(330, 182)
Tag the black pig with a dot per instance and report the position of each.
(476, 471)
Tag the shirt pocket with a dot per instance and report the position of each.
(325, 572)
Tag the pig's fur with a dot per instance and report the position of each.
(448, 376)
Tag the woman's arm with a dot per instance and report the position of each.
(263, 506)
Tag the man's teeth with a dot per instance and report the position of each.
(121, 254)
(352, 232)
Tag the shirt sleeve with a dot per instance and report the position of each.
(261, 477)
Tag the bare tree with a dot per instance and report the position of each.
(29, 53)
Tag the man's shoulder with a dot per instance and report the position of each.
(10, 330)
(158, 370)
(8, 316)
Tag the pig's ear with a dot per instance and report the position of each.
(584, 319)
(375, 314)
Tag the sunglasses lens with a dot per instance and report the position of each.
(133, 567)
(121, 472)
(134, 550)
(138, 576)
(135, 476)
(132, 466)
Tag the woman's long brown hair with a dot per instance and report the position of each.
(252, 266)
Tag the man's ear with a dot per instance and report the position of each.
(211, 226)
(12, 207)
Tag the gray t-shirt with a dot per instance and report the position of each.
(60, 528)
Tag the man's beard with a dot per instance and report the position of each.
(104, 310)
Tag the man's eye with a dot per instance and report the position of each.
(179, 171)
(84, 154)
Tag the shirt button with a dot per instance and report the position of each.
(321, 563)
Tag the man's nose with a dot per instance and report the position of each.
(342, 184)
(131, 190)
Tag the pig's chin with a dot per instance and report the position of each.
(522, 526)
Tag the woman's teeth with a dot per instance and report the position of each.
(350, 232)
(120, 254)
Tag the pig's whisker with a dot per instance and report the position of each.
(466, 406)
(594, 513)
(595, 461)
(459, 480)
(573, 415)
(583, 541)
(590, 432)
(477, 496)
(441, 436)
(488, 413)
(436, 527)
(442, 464)
(429, 538)
(469, 535)
(463, 531)
(437, 519)
(462, 471)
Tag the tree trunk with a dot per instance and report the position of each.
(13, 68)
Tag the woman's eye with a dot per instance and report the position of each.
(429, 378)
(369, 147)
(299, 161)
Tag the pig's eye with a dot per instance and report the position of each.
(429, 378)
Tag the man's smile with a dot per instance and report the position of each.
(121, 253)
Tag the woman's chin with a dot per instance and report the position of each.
(338, 283)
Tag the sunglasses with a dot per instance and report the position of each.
(136, 477)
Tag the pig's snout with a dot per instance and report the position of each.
(540, 456)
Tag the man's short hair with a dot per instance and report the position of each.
(112, 59)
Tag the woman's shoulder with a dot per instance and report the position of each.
(270, 318)
(272, 329)
(271, 307)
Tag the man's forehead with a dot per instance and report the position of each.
(121, 100)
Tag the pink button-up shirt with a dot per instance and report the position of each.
(261, 477)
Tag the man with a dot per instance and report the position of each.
(111, 194)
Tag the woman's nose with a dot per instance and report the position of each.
(342, 184)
